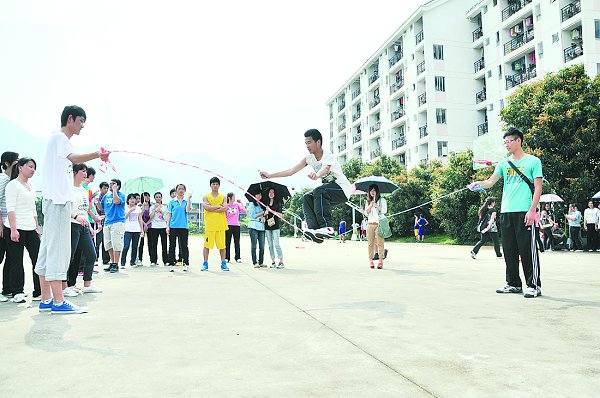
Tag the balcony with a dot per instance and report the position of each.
(421, 68)
(518, 41)
(515, 80)
(375, 153)
(423, 131)
(570, 10)
(373, 77)
(573, 51)
(482, 129)
(341, 106)
(513, 7)
(398, 143)
(479, 64)
(396, 86)
(397, 114)
(342, 126)
(477, 33)
(356, 116)
(356, 93)
(374, 102)
(422, 99)
(341, 148)
(419, 37)
(375, 127)
(356, 138)
(397, 57)
(480, 96)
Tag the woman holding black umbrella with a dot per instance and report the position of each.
(272, 215)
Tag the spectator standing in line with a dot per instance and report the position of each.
(145, 215)
(157, 228)
(173, 194)
(133, 229)
(546, 223)
(215, 223)
(590, 224)
(234, 209)
(574, 218)
(178, 228)
(103, 189)
(273, 213)
(113, 205)
(9, 160)
(375, 208)
(256, 229)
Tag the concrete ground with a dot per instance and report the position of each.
(428, 325)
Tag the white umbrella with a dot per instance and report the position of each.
(596, 196)
(550, 197)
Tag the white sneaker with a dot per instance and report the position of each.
(238, 261)
(3, 299)
(91, 289)
(171, 268)
(37, 298)
(69, 292)
(18, 298)
(531, 292)
(153, 264)
(139, 263)
(325, 232)
(186, 267)
(76, 288)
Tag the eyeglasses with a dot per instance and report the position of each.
(506, 142)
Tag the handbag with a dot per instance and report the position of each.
(271, 221)
(383, 227)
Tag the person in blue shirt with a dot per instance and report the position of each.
(421, 222)
(113, 206)
(177, 227)
(256, 229)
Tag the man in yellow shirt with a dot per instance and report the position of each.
(215, 223)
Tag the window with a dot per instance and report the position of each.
(440, 116)
(538, 12)
(495, 3)
(555, 38)
(540, 50)
(442, 149)
(438, 51)
(440, 83)
(597, 28)
(598, 69)
(497, 38)
(501, 104)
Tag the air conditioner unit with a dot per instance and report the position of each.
(490, 107)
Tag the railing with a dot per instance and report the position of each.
(342, 126)
(396, 86)
(397, 57)
(341, 148)
(513, 7)
(515, 80)
(421, 68)
(398, 143)
(477, 33)
(356, 138)
(374, 102)
(375, 153)
(422, 99)
(397, 114)
(573, 51)
(419, 37)
(341, 106)
(480, 96)
(518, 41)
(482, 129)
(356, 93)
(479, 64)
(355, 116)
(423, 131)
(570, 10)
(375, 127)
(374, 77)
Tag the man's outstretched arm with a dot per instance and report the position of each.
(285, 173)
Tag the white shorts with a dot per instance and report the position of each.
(114, 236)
(55, 247)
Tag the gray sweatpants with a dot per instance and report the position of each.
(55, 248)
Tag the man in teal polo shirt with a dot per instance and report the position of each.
(519, 203)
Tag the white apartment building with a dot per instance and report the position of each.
(439, 82)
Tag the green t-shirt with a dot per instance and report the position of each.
(516, 195)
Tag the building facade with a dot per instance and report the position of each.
(439, 82)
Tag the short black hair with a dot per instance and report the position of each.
(513, 132)
(137, 195)
(131, 195)
(182, 185)
(78, 167)
(314, 134)
(21, 162)
(91, 171)
(8, 158)
(172, 190)
(104, 184)
(72, 110)
(215, 179)
(117, 181)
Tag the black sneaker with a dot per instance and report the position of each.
(510, 289)
(107, 269)
(114, 268)
(310, 235)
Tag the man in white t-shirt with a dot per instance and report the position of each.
(57, 190)
(335, 189)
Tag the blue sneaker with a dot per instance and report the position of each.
(204, 266)
(224, 266)
(43, 307)
(67, 308)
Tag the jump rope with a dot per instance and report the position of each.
(108, 164)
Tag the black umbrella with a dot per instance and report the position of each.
(282, 193)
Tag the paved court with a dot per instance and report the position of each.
(428, 325)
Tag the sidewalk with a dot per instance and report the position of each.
(428, 325)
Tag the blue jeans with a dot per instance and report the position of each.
(131, 239)
(273, 239)
(255, 236)
(82, 246)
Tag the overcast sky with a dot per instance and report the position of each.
(236, 80)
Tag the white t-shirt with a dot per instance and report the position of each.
(131, 222)
(22, 201)
(4, 179)
(335, 171)
(81, 204)
(590, 216)
(57, 172)
(375, 214)
(158, 221)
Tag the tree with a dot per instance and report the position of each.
(559, 117)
